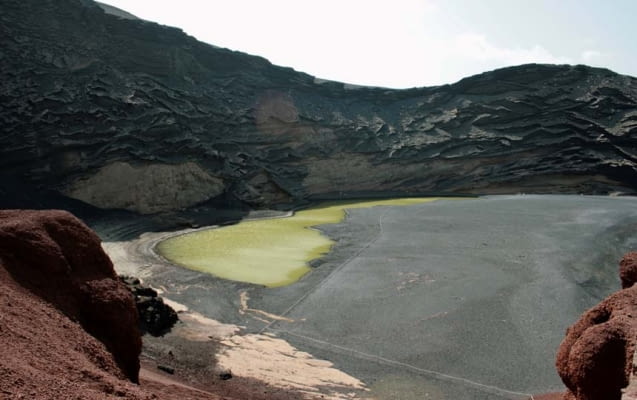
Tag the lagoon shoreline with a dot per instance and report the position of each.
(305, 303)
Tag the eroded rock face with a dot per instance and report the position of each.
(595, 360)
(45, 355)
(148, 188)
(56, 257)
(628, 269)
(84, 91)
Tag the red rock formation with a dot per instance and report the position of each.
(58, 258)
(45, 355)
(56, 284)
(628, 269)
(595, 359)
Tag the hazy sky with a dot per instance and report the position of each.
(406, 43)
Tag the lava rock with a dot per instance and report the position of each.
(155, 316)
(58, 258)
(628, 269)
(166, 369)
(85, 116)
(595, 360)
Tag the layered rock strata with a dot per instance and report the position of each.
(125, 113)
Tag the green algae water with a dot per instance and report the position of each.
(271, 252)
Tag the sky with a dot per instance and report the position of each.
(408, 43)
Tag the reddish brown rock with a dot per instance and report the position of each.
(55, 284)
(59, 259)
(628, 269)
(595, 359)
(47, 356)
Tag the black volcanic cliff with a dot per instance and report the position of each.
(124, 113)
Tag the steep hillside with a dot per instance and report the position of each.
(124, 113)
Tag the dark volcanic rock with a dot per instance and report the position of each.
(59, 259)
(155, 317)
(595, 360)
(124, 113)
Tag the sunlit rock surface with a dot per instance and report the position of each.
(82, 90)
(146, 188)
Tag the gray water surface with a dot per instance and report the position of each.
(460, 298)
(454, 299)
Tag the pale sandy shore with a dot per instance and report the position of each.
(263, 357)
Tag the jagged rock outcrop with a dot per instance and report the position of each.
(45, 355)
(82, 90)
(155, 316)
(628, 269)
(60, 260)
(595, 360)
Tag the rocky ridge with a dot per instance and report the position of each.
(87, 95)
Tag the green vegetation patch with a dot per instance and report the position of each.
(270, 252)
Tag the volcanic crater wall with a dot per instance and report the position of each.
(83, 93)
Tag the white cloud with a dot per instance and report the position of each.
(477, 47)
(375, 42)
(440, 60)
(589, 56)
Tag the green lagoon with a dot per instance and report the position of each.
(270, 252)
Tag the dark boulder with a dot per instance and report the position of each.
(155, 317)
